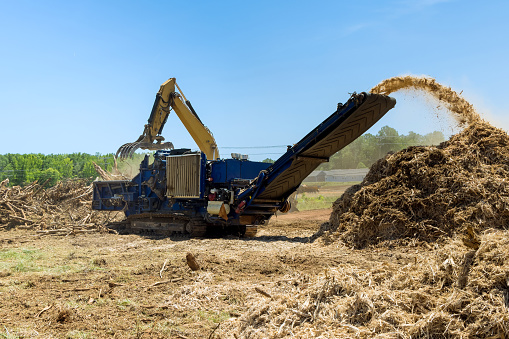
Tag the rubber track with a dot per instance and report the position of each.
(365, 116)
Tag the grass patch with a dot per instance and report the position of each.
(124, 304)
(14, 254)
(20, 260)
(306, 202)
(6, 334)
(331, 183)
(47, 260)
(75, 334)
(215, 317)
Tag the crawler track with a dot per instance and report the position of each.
(173, 225)
(178, 226)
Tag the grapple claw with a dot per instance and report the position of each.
(127, 150)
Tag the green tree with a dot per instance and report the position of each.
(368, 148)
(412, 139)
(50, 174)
(88, 170)
(389, 140)
(434, 138)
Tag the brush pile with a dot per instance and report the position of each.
(61, 209)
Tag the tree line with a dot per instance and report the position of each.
(368, 148)
(21, 169)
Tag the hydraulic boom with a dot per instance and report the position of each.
(169, 97)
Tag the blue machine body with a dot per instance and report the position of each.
(145, 192)
(234, 191)
(226, 170)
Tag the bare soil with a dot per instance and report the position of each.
(98, 285)
(107, 285)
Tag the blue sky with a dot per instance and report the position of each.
(81, 76)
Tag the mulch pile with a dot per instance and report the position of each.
(62, 209)
(428, 193)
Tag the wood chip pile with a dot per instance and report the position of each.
(63, 208)
(430, 192)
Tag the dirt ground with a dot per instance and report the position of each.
(107, 285)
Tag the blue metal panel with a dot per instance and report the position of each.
(251, 169)
(233, 169)
(223, 171)
(218, 171)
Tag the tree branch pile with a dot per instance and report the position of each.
(61, 209)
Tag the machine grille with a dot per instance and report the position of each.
(183, 176)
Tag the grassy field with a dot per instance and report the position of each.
(307, 201)
(331, 184)
(328, 192)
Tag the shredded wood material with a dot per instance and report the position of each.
(422, 299)
(429, 193)
(461, 109)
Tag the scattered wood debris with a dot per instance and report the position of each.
(262, 292)
(64, 209)
(43, 310)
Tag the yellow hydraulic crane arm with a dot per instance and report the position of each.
(169, 97)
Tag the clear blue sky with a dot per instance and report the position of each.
(81, 76)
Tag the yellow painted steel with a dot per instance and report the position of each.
(168, 98)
